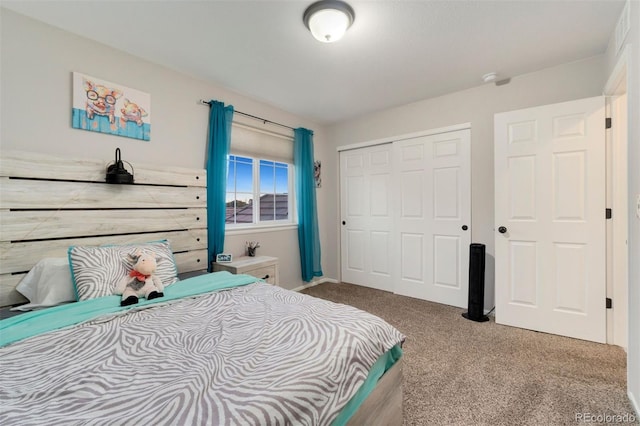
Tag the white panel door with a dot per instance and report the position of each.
(433, 209)
(367, 216)
(550, 219)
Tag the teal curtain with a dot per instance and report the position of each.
(220, 117)
(308, 235)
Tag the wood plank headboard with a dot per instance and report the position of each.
(49, 203)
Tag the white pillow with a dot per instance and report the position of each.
(48, 283)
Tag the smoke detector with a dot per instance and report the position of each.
(489, 77)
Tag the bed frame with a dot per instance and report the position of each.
(383, 406)
(49, 203)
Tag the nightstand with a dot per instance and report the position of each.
(264, 267)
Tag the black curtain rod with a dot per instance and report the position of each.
(264, 120)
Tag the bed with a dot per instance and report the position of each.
(216, 349)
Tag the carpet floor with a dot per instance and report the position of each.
(460, 372)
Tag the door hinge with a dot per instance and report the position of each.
(607, 123)
(609, 303)
(607, 213)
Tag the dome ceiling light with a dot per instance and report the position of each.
(328, 20)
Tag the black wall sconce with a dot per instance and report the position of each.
(116, 172)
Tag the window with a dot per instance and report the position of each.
(258, 192)
(239, 190)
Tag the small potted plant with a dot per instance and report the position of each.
(251, 247)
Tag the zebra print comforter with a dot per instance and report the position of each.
(251, 355)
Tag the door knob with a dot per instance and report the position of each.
(465, 227)
(502, 230)
(344, 223)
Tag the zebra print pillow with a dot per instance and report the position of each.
(97, 270)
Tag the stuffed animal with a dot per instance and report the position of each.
(141, 281)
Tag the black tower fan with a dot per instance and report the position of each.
(476, 284)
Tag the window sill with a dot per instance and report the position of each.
(260, 229)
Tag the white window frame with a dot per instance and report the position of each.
(275, 225)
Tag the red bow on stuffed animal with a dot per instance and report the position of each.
(138, 275)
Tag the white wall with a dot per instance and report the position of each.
(36, 66)
(633, 135)
(478, 105)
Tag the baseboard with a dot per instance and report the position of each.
(634, 403)
(315, 283)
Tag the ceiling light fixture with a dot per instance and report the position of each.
(328, 20)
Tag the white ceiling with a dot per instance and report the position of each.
(396, 52)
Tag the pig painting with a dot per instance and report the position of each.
(101, 100)
(132, 112)
(111, 108)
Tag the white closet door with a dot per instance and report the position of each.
(433, 217)
(367, 216)
(550, 219)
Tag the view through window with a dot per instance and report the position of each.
(257, 191)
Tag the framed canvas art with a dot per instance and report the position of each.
(317, 173)
(106, 107)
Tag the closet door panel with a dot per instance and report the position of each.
(434, 175)
(406, 216)
(367, 217)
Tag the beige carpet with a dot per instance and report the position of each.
(459, 372)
